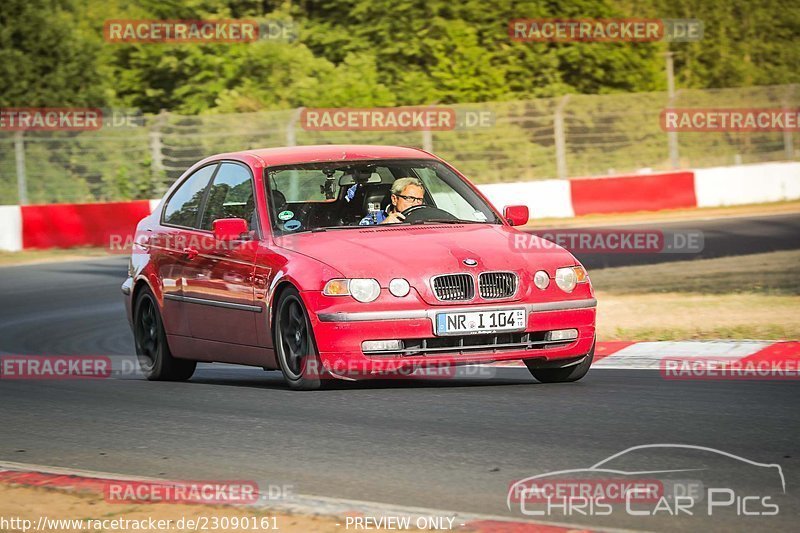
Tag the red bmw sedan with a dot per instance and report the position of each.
(349, 262)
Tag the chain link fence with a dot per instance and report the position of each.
(570, 136)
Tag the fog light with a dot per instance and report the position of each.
(562, 335)
(541, 279)
(382, 346)
(399, 287)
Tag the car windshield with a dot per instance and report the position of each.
(332, 195)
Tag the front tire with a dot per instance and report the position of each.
(562, 375)
(155, 358)
(296, 351)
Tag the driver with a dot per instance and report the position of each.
(406, 192)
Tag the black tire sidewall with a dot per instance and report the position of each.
(152, 370)
(564, 375)
(311, 372)
(164, 367)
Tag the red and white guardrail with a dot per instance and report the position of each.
(706, 187)
(70, 225)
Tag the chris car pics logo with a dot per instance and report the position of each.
(682, 481)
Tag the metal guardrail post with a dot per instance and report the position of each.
(559, 136)
(788, 138)
(19, 156)
(427, 141)
(156, 150)
(291, 127)
(672, 136)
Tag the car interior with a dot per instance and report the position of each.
(370, 188)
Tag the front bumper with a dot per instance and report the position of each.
(339, 335)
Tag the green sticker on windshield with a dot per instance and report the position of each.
(285, 215)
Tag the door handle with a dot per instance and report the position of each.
(190, 253)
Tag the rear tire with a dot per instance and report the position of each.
(295, 348)
(562, 375)
(155, 358)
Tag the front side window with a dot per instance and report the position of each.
(183, 206)
(230, 196)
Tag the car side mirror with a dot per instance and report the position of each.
(516, 215)
(230, 229)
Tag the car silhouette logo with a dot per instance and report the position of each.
(470, 262)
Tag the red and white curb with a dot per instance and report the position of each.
(24, 474)
(651, 355)
(626, 355)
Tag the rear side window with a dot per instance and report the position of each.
(230, 196)
(183, 206)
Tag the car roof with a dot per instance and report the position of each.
(331, 152)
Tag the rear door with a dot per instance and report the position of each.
(169, 243)
(218, 282)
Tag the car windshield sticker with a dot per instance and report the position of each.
(480, 216)
(292, 225)
(285, 215)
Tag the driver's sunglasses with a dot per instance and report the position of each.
(414, 199)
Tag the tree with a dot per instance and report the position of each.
(45, 60)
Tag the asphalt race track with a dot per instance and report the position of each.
(447, 444)
(722, 237)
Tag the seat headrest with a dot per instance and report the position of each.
(278, 199)
(379, 193)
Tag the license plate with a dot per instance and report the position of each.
(480, 322)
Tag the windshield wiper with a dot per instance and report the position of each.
(445, 221)
(326, 228)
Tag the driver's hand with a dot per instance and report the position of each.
(393, 218)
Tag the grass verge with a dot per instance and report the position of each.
(745, 297)
(30, 257)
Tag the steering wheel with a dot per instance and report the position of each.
(423, 213)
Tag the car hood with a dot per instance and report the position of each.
(419, 252)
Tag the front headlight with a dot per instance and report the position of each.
(568, 277)
(365, 290)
